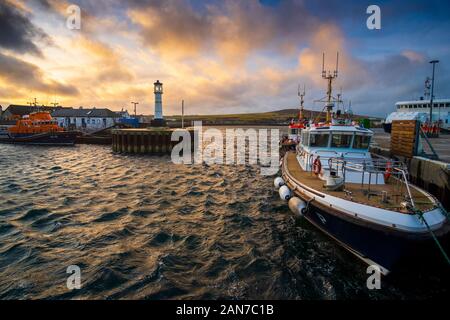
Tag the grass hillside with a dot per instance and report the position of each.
(279, 117)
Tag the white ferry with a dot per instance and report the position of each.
(420, 110)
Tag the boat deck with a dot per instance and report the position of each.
(357, 193)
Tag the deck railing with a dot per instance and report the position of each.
(375, 166)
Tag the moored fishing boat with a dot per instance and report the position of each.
(38, 128)
(289, 141)
(365, 203)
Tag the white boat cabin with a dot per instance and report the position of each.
(338, 152)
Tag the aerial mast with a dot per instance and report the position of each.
(302, 100)
(329, 76)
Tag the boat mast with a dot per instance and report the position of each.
(302, 100)
(329, 76)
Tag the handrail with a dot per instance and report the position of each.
(407, 186)
(374, 166)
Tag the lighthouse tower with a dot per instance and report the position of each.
(158, 120)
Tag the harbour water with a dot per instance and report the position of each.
(141, 227)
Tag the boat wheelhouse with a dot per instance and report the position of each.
(295, 128)
(333, 141)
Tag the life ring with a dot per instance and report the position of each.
(388, 171)
(317, 166)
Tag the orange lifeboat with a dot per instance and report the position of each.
(38, 122)
(39, 128)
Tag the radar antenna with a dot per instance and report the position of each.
(329, 76)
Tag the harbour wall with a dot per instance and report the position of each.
(432, 175)
(145, 141)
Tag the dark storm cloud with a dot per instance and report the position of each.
(20, 73)
(17, 32)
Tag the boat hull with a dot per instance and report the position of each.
(391, 250)
(49, 138)
(391, 246)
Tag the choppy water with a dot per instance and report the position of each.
(142, 227)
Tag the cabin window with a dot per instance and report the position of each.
(341, 140)
(319, 139)
(361, 141)
(293, 131)
(305, 139)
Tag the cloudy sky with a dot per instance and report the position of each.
(222, 56)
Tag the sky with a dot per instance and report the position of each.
(221, 56)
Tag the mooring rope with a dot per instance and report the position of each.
(420, 214)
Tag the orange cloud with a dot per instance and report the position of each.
(329, 39)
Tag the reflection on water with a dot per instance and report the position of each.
(142, 227)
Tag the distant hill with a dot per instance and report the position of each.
(279, 117)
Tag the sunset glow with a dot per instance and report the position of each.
(219, 56)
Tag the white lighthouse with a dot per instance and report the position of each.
(158, 100)
(158, 119)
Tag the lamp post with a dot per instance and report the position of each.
(433, 62)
